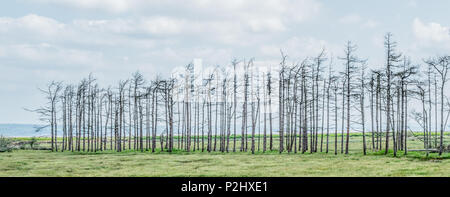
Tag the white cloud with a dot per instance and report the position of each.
(231, 22)
(412, 3)
(258, 16)
(295, 9)
(266, 25)
(210, 55)
(300, 47)
(47, 56)
(105, 26)
(431, 32)
(113, 38)
(149, 30)
(429, 39)
(355, 19)
(164, 25)
(109, 5)
(149, 25)
(370, 24)
(217, 31)
(350, 19)
(38, 24)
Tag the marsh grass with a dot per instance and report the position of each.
(181, 163)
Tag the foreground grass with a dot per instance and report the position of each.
(46, 163)
(179, 163)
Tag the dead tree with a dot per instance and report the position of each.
(391, 58)
(441, 65)
(350, 61)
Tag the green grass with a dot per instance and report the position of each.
(45, 163)
(129, 163)
(241, 164)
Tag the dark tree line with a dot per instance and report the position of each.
(296, 105)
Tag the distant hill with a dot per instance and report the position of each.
(22, 130)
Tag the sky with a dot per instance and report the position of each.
(44, 40)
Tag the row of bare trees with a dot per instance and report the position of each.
(236, 108)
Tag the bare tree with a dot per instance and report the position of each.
(350, 61)
(391, 58)
(441, 65)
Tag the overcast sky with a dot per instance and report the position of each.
(44, 40)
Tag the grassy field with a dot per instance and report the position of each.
(179, 163)
(45, 163)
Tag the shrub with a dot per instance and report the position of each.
(32, 142)
(5, 144)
